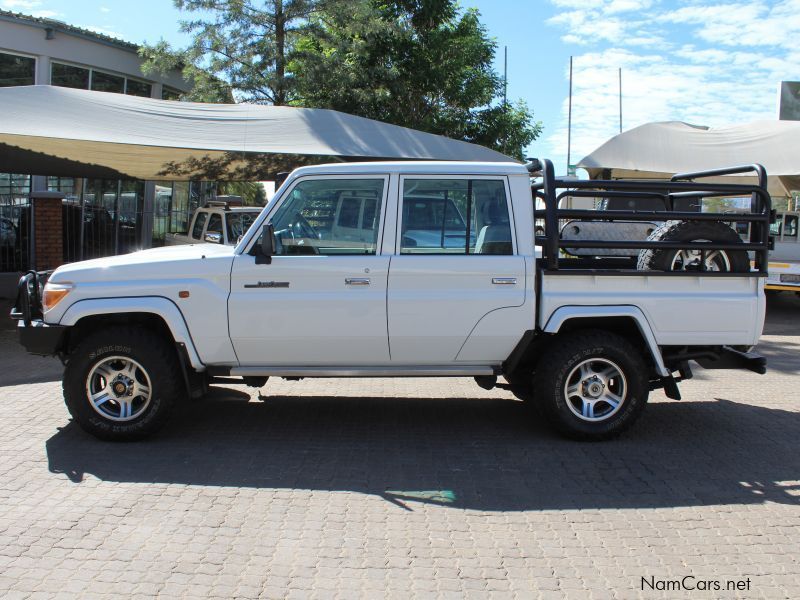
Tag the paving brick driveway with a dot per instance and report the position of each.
(415, 488)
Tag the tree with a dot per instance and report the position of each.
(423, 64)
(238, 46)
(418, 63)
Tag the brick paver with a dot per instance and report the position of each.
(404, 488)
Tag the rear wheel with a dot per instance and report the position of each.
(663, 259)
(121, 383)
(591, 384)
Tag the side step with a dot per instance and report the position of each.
(400, 371)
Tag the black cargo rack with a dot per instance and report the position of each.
(680, 186)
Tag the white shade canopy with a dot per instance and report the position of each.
(663, 149)
(51, 130)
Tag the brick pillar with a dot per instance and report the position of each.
(47, 230)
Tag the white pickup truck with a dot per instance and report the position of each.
(407, 269)
(218, 222)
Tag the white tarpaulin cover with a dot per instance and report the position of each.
(49, 130)
(663, 149)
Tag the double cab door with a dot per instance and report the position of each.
(365, 277)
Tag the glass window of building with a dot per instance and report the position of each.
(106, 82)
(16, 70)
(14, 186)
(138, 88)
(69, 76)
(168, 93)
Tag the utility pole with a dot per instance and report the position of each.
(505, 76)
(569, 120)
(620, 99)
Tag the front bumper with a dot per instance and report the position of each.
(34, 334)
(40, 338)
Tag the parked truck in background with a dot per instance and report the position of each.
(220, 221)
(413, 269)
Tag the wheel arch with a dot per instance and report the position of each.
(155, 313)
(628, 321)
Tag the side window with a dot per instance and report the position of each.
(370, 215)
(790, 230)
(455, 216)
(199, 222)
(348, 212)
(214, 224)
(321, 216)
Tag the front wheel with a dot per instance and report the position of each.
(591, 385)
(121, 383)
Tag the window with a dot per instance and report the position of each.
(14, 186)
(83, 78)
(455, 216)
(321, 216)
(238, 223)
(349, 210)
(214, 224)
(197, 230)
(790, 229)
(16, 70)
(138, 88)
(69, 76)
(105, 82)
(168, 93)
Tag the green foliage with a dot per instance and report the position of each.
(251, 192)
(238, 46)
(421, 64)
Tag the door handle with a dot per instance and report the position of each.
(504, 280)
(356, 280)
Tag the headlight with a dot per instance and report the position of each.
(54, 293)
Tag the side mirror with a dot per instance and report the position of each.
(267, 247)
(213, 237)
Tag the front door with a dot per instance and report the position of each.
(456, 276)
(322, 300)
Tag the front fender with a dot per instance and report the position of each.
(156, 305)
(566, 313)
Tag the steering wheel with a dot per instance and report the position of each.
(300, 227)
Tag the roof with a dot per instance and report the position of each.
(665, 148)
(56, 25)
(437, 167)
(80, 133)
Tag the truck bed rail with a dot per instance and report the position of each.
(551, 190)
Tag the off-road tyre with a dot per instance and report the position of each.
(661, 259)
(154, 355)
(561, 364)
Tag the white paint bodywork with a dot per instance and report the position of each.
(419, 314)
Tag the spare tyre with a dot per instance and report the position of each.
(664, 259)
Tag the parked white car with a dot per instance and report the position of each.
(407, 269)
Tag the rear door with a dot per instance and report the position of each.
(455, 273)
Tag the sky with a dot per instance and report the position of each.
(705, 62)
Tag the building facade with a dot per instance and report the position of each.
(101, 217)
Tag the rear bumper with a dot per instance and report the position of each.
(41, 338)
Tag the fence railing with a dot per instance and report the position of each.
(14, 233)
